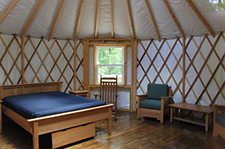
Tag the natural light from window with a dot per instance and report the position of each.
(218, 4)
(110, 62)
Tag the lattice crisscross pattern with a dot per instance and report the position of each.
(204, 68)
(50, 61)
(10, 60)
(160, 62)
(80, 66)
(44, 61)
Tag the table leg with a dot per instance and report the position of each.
(176, 112)
(207, 122)
(171, 114)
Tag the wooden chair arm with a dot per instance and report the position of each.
(143, 95)
(141, 98)
(170, 98)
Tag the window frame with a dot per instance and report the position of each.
(124, 76)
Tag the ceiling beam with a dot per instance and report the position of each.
(8, 10)
(174, 17)
(56, 19)
(32, 17)
(195, 9)
(96, 19)
(130, 19)
(152, 19)
(112, 21)
(78, 19)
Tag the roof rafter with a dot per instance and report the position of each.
(8, 10)
(32, 17)
(96, 19)
(112, 22)
(174, 17)
(56, 19)
(130, 18)
(78, 19)
(152, 19)
(195, 9)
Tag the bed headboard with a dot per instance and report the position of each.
(10, 90)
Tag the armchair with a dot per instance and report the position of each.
(155, 103)
(219, 121)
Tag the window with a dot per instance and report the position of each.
(219, 5)
(109, 62)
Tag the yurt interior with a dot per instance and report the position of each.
(112, 74)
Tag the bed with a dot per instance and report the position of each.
(63, 126)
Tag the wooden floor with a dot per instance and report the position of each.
(127, 133)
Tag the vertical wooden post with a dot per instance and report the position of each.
(60, 86)
(0, 116)
(75, 63)
(86, 64)
(35, 136)
(22, 58)
(133, 76)
(125, 65)
(183, 70)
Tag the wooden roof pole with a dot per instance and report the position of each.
(112, 22)
(8, 10)
(130, 19)
(195, 9)
(32, 17)
(174, 17)
(96, 20)
(152, 19)
(56, 19)
(78, 19)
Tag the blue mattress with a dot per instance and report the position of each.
(48, 103)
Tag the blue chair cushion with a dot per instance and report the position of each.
(156, 91)
(220, 119)
(151, 104)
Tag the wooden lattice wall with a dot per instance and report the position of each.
(41, 61)
(205, 62)
(162, 62)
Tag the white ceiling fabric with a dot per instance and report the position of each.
(142, 24)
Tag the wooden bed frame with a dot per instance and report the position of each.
(53, 123)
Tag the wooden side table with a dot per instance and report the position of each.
(83, 93)
(191, 107)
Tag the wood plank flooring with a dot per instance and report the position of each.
(127, 133)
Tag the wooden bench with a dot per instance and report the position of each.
(191, 107)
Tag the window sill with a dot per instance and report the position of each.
(119, 86)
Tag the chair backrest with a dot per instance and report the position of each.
(156, 91)
(108, 89)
